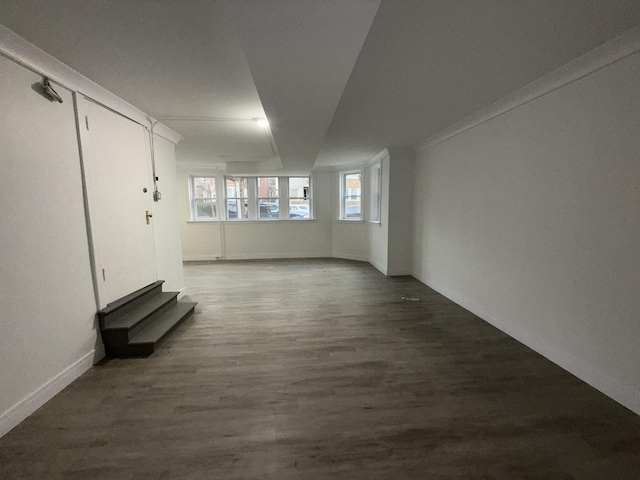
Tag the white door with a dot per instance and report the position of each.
(116, 160)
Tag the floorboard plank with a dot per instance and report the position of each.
(317, 369)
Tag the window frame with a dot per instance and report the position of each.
(308, 192)
(268, 199)
(344, 195)
(376, 193)
(253, 198)
(193, 199)
(242, 214)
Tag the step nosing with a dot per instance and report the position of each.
(120, 303)
(142, 312)
(180, 311)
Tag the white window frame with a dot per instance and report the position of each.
(344, 195)
(269, 199)
(241, 214)
(306, 196)
(194, 198)
(376, 193)
(253, 199)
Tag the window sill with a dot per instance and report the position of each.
(271, 220)
(344, 220)
(375, 222)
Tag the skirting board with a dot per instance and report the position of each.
(587, 373)
(182, 293)
(278, 256)
(200, 258)
(21, 410)
(349, 256)
(379, 266)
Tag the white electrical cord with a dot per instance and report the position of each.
(157, 196)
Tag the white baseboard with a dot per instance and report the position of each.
(275, 256)
(99, 353)
(379, 266)
(200, 258)
(182, 292)
(599, 380)
(398, 273)
(349, 256)
(21, 410)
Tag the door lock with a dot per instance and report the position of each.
(148, 215)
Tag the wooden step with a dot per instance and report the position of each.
(135, 324)
(127, 303)
(140, 313)
(145, 342)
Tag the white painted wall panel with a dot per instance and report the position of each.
(532, 221)
(378, 233)
(259, 239)
(46, 290)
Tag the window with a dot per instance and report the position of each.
(376, 192)
(203, 198)
(351, 196)
(237, 197)
(268, 197)
(299, 197)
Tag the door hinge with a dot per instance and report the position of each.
(104, 276)
(86, 121)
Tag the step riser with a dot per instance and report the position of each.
(151, 318)
(105, 319)
(136, 324)
(146, 349)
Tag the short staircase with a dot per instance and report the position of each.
(134, 325)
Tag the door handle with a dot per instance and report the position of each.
(148, 215)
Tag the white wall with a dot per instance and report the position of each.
(166, 217)
(400, 210)
(532, 221)
(378, 233)
(390, 241)
(235, 240)
(47, 326)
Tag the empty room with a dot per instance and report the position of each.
(319, 239)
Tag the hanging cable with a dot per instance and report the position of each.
(157, 196)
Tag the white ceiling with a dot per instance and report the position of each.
(429, 64)
(344, 78)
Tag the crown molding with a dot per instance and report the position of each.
(38, 61)
(607, 54)
(378, 156)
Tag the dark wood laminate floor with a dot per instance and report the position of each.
(316, 369)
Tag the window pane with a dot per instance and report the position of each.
(237, 187)
(299, 187)
(206, 208)
(299, 208)
(268, 208)
(235, 206)
(204, 187)
(351, 200)
(268, 187)
(352, 208)
(352, 185)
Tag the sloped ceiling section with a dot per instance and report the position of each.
(301, 54)
(428, 64)
(178, 61)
